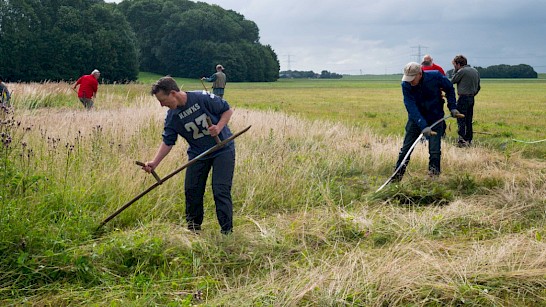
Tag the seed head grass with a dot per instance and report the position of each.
(309, 228)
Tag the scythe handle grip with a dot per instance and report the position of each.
(153, 172)
(216, 138)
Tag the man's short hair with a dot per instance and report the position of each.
(165, 84)
(460, 59)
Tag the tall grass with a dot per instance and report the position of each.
(309, 229)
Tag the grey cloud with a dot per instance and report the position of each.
(379, 37)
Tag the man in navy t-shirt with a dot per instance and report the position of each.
(187, 117)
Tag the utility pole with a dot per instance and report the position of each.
(419, 54)
(288, 62)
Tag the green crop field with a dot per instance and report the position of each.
(310, 230)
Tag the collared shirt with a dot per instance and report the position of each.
(468, 81)
(424, 101)
(434, 67)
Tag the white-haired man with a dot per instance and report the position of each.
(89, 86)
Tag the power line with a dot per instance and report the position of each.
(288, 61)
(419, 54)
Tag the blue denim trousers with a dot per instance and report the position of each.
(222, 167)
(434, 147)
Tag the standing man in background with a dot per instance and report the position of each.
(428, 64)
(467, 79)
(88, 88)
(5, 94)
(218, 80)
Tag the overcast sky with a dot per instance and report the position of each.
(378, 37)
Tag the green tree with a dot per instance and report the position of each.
(508, 71)
(188, 39)
(271, 61)
(62, 39)
(18, 28)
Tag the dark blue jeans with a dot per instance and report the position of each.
(434, 147)
(465, 105)
(223, 167)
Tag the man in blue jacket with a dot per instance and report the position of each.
(422, 92)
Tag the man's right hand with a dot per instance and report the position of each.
(149, 166)
(428, 132)
(455, 113)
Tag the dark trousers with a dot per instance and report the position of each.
(87, 102)
(465, 105)
(434, 147)
(218, 92)
(222, 167)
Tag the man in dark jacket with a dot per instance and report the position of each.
(422, 98)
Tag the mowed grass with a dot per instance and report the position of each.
(309, 228)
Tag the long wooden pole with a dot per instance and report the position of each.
(160, 181)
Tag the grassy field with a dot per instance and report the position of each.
(309, 228)
(509, 113)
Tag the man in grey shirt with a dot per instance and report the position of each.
(467, 79)
(218, 80)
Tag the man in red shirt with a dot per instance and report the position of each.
(428, 64)
(88, 88)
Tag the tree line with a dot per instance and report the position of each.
(504, 71)
(63, 39)
(296, 74)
